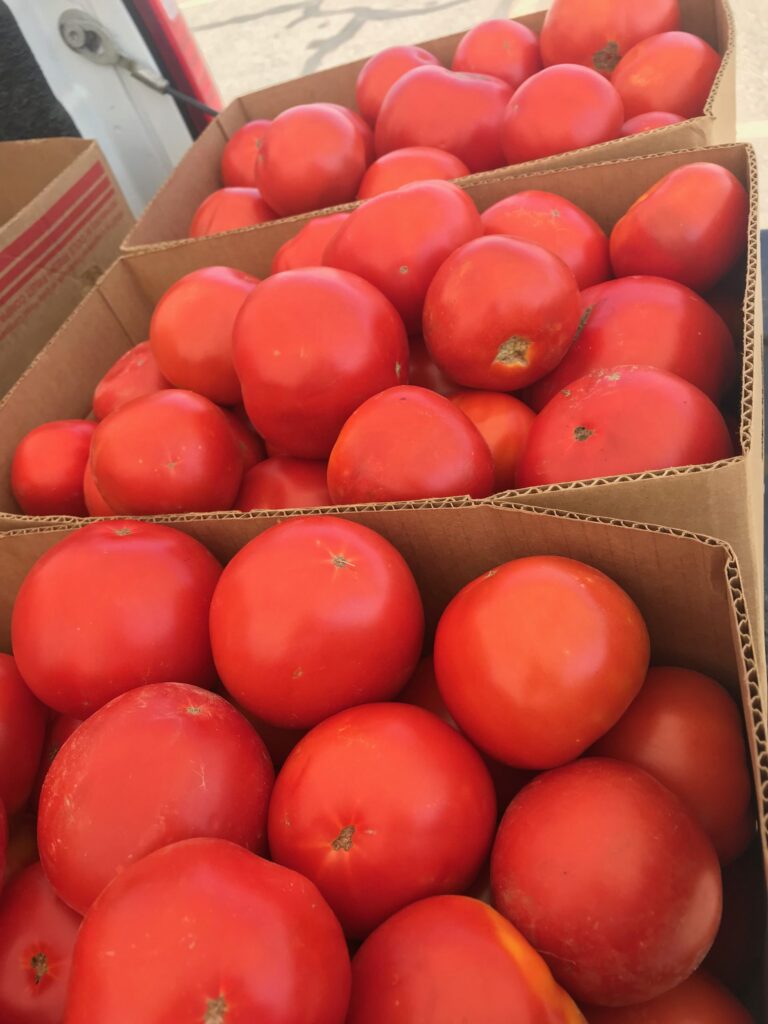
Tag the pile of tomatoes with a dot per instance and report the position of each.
(239, 777)
(599, 71)
(416, 348)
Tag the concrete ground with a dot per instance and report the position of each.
(250, 44)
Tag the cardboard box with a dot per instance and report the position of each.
(169, 214)
(62, 219)
(720, 500)
(687, 588)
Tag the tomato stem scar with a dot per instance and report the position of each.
(513, 351)
(343, 840)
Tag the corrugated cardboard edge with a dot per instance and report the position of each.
(715, 125)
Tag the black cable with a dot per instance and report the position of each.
(190, 100)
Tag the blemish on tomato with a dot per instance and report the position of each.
(513, 351)
(582, 433)
(343, 840)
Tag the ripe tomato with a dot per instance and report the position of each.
(204, 771)
(677, 714)
(502, 48)
(228, 209)
(559, 226)
(646, 321)
(282, 482)
(403, 166)
(238, 158)
(37, 936)
(699, 999)
(441, 959)
(48, 466)
(382, 805)
(191, 331)
(524, 703)
(627, 419)
(484, 333)
(248, 441)
(647, 122)
(22, 732)
(306, 247)
(424, 371)
(408, 443)
(691, 226)
(311, 156)
(94, 499)
(606, 873)
(737, 949)
(380, 73)
(3, 841)
(249, 941)
(310, 345)
(362, 127)
(59, 730)
(671, 71)
(172, 451)
(135, 373)
(504, 423)
(599, 32)
(559, 109)
(451, 110)
(315, 615)
(111, 607)
(397, 241)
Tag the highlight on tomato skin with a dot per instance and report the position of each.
(441, 958)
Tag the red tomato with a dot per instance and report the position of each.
(310, 345)
(403, 166)
(22, 845)
(559, 109)
(306, 247)
(248, 940)
(606, 873)
(282, 482)
(204, 771)
(484, 333)
(502, 48)
(22, 732)
(172, 451)
(626, 419)
(504, 423)
(382, 805)
(59, 730)
(248, 441)
(677, 714)
(94, 499)
(737, 949)
(490, 686)
(228, 209)
(3, 841)
(397, 241)
(408, 443)
(599, 32)
(698, 1000)
(312, 155)
(315, 615)
(671, 71)
(647, 122)
(647, 321)
(191, 331)
(48, 466)
(691, 226)
(111, 607)
(559, 226)
(37, 936)
(451, 110)
(439, 960)
(363, 129)
(380, 73)
(238, 158)
(135, 373)
(424, 371)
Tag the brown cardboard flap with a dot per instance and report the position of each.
(170, 212)
(28, 166)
